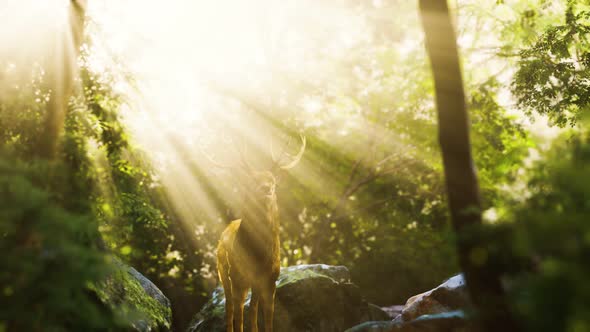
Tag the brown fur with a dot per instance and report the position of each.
(248, 257)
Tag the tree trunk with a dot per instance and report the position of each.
(61, 70)
(483, 281)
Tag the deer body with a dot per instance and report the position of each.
(248, 258)
(248, 255)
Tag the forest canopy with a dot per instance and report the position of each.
(125, 127)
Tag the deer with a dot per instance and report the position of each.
(248, 255)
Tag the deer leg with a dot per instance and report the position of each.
(229, 305)
(268, 306)
(229, 311)
(239, 296)
(254, 310)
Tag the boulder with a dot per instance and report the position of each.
(149, 287)
(308, 298)
(449, 296)
(453, 321)
(134, 297)
(393, 311)
(438, 310)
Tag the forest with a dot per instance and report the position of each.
(394, 165)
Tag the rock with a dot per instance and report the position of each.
(393, 311)
(375, 326)
(438, 310)
(149, 287)
(449, 296)
(133, 296)
(308, 298)
(454, 321)
(377, 313)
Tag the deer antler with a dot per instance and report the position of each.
(213, 161)
(245, 165)
(243, 162)
(295, 159)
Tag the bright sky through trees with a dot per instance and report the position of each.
(194, 63)
(181, 47)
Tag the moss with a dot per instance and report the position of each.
(297, 275)
(125, 295)
(218, 311)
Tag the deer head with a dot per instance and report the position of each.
(259, 186)
(261, 183)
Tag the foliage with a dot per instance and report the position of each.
(553, 234)
(552, 77)
(21, 109)
(73, 186)
(136, 220)
(500, 142)
(49, 259)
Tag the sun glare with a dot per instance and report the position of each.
(195, 64)
(193, 61)
(179, 47)
(29, 26)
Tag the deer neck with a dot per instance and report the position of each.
(258, 234)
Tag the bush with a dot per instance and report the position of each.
(48, 259)
(552, 228)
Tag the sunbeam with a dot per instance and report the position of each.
(161, 160)
(200, 71)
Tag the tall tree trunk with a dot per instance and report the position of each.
(61, 71)
(483, 281)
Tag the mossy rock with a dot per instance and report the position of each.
(308, 298)
(135, 299)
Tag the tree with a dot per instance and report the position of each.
(482, 280)
(552, 75)
(61, 69)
